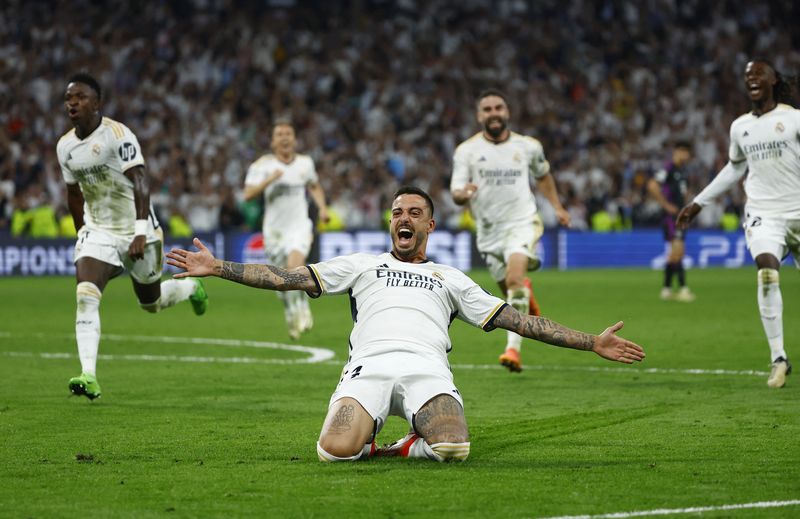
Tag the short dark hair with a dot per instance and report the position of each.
(88, 80)
(414, 190)
(491, 92)
(686, 145)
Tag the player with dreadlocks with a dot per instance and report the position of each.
(765, 144)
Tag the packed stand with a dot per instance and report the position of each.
(381, 93)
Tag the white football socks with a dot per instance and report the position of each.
(87, 325)
(443, 451)
(519, 299)
(173, 291)
(770, 306)
(330, 458)
(288, 307)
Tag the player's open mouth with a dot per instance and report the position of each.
(754, 88)
(404, 234)
(73, 112)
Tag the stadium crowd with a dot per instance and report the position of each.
(381, 92)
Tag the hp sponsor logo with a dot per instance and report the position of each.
(127, 151)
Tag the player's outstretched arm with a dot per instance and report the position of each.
(608, 345)
(202, 263)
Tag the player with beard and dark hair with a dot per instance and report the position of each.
(668, 188)
(765, 144)
(108, 196)
(402, 306)
(492, 172)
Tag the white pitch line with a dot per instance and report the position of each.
(674, 511)
(158, 358)
(323, 355)
(315, 354)
(629, 370)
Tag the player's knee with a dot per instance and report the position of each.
(451, 451)
(87, 295)
(153, 307)
(333, 449)
(768, 276)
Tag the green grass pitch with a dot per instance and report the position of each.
(183, 431)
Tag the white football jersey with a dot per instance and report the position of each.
(285, 204)
(400, 306)
(98, 164)
(770, 144)
(502, 173)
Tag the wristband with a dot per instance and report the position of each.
(140, 228)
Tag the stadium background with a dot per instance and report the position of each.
(217, 416)
(381, 93)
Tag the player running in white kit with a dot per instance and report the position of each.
(282, 178)
(492, 172)
(109, 198)
(765, 144)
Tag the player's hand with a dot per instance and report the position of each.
(278, 173)
(563, 217)
(464, 195)
(324, 216)
(196, 264)
(470, 189)
(136, 248)
(686, 215)
(612, 347)
(671, 209)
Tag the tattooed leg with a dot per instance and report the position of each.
(442, 419)
(348, 427)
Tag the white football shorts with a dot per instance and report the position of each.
(502, 240)
(113, 250)
(278, 243)
(394, 384)
(770, 235)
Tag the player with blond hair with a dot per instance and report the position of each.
(282, 178)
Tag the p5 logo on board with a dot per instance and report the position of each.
(127, 151)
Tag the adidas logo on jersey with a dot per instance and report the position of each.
(384, 266)
(482, 159)
(746, 134)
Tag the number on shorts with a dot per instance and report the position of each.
(356, 372)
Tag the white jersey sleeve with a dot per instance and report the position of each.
(256, 173)
(337, 275)
(128, 153)
(735, 153)
(461, 168)
(539, 166)
(476, 306)
(311, 172)
(62, 153)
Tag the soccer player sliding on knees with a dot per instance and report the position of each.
(402, 305)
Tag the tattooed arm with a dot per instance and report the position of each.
(608, 345)
(268, 277)
(203, 263)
